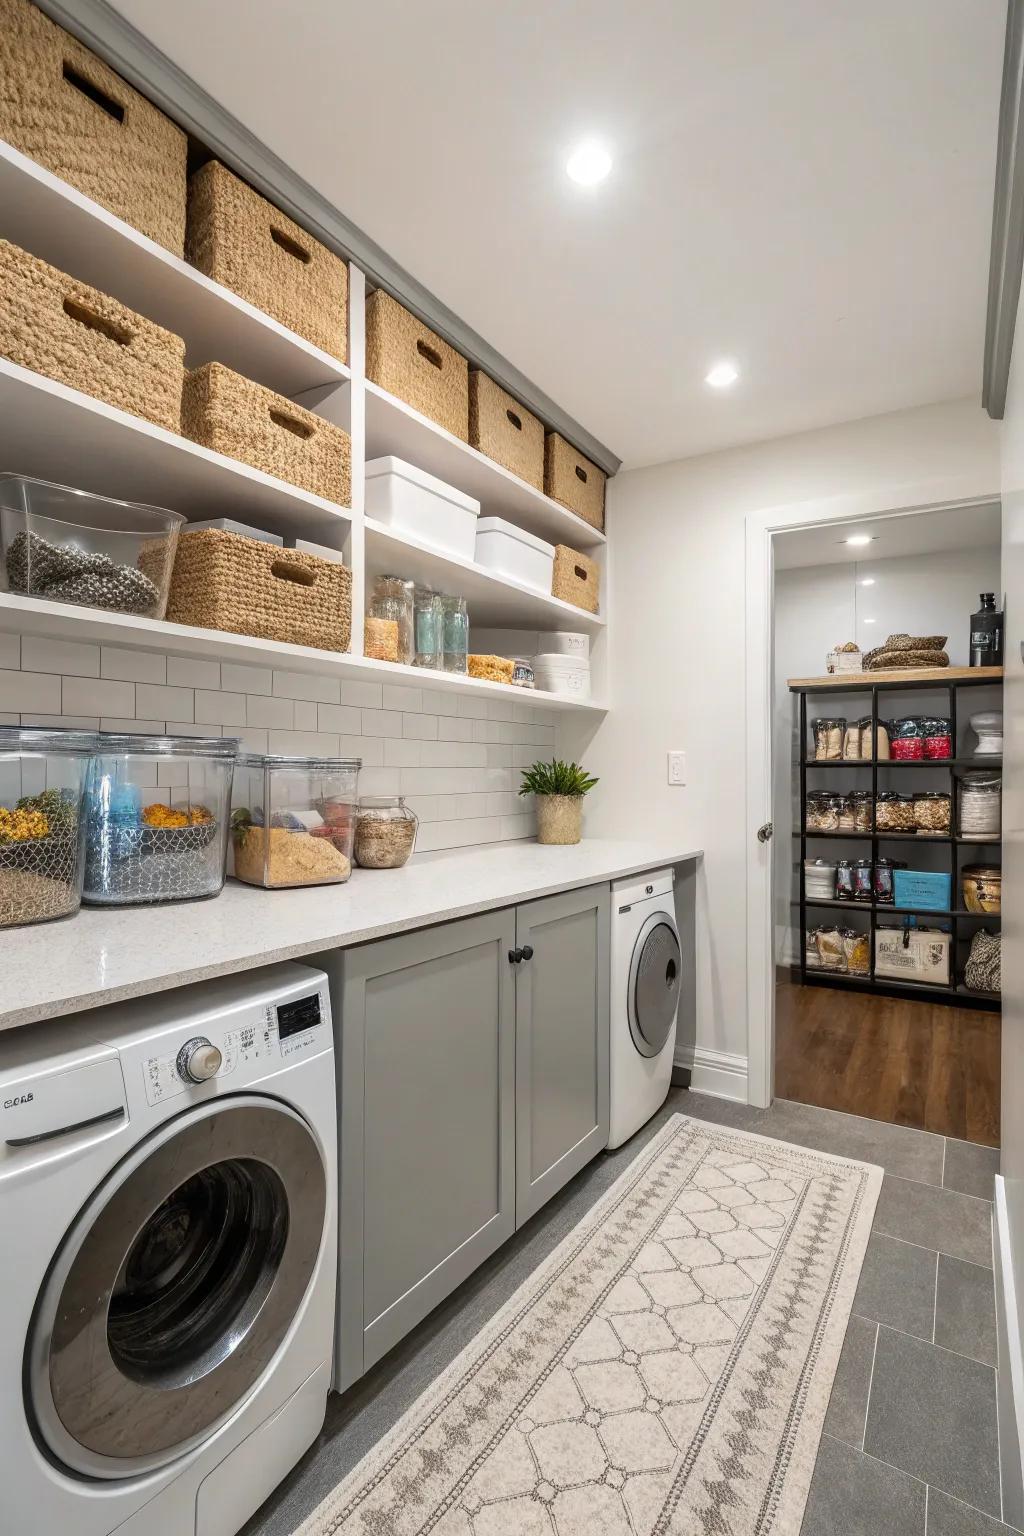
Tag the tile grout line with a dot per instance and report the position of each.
(927, 1494)
(945, 1149)
(935, 1300)
(919, 1339)
(871, 1382)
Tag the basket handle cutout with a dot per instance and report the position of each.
(580, 572)
(515, 420)
(289, 246)
(105, 103)
(581, 474)
(430, 353)
(79, 312)
(291, 424)
(285, 571)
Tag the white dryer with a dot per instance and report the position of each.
(646, 980)
(168, 1184)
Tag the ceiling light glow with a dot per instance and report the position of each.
(857, 539)
(722, 374)
(868, 581)
(589, 163)
(869, 621)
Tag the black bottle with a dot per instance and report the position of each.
(987, 634)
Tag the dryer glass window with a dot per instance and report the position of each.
(654, 985)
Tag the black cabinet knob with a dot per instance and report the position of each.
(514, 956)
(527, 952)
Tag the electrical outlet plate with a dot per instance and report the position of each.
(677, 768)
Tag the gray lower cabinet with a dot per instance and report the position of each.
(427, 1108)
(561, 1041)
(471, 1086)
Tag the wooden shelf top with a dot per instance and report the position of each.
(930, 675)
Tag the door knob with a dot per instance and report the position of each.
(514, 956)
(527, 952)
(764, 834)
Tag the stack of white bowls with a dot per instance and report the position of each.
(564, 667)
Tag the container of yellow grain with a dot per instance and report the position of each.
(293, 819)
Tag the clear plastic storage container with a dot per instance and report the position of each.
(828, 739)
(385, 832)
(68, 546)
(42, 782)
(293, 819)
(157, 816)
(981, 806)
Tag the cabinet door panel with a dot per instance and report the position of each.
(561, 1042)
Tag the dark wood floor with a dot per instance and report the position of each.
(908, 1062)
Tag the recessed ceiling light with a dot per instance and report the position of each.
(869, 621)
(859, 538)
(722, 374)
(589, 163)
(868, 581)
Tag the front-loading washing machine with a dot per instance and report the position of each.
(646, 977)
(168, 1187)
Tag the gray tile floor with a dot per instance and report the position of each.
(910, 1445)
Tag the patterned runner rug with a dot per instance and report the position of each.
(665, 1372)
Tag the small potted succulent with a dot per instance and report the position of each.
(559, 789)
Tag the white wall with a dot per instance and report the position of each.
(678, 646)
(819, 606)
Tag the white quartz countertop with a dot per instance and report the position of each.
(105, 954)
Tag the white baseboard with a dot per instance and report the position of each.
(719, 1073)
(1010, 1375)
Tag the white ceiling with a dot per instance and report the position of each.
(806, 187)
(918, 533)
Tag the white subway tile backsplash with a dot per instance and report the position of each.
(268, 712)
(128, 727)
(452, 754)
(369, 749)
(219, 708)
(177, 705)
(500, 756)
(30, 690)
(63, 722)
(39, 654)
(362, 695)
(339, 717)
(396, 697)
(238, 679)
(381, 722)
(380, 781)
(306, 713)
(310, 743)
(188, 672)
(420, 727)
(132, 666)
(435, 835)
(513, 827)
(96, 696)
(10, 652)
(451, 728)
(253, 739)
(437, 703)
(306, 685)
(399, 753)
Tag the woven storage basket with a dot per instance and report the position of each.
(65, 108)
(233, 415)
(224, 581)
(576, 579)
(57, 326)
(239, 239)
(573, 481)
(409, 361)
(499, 427)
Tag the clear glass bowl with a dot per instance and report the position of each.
(157, 815)
(293, 819)
(42, 782)
(68, 546)
(385, 832)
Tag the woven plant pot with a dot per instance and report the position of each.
(576, 579)
(66, 109)
(222, 410)
(504, 431)
(572, 480)
(408, 360)
(559, 818)
(224, 581)
(239, 239)
(68, 331)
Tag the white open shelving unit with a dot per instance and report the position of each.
(56, 433)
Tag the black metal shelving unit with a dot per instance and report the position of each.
(958, 920)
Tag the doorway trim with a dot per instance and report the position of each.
(949, 493)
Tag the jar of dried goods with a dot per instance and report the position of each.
(828, 740)
(42, 780)
(931, 812)
(385, 832)
(894, 812)
(863, 802)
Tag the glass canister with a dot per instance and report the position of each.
(863, 802)
(455, 622)
(847, 814)
(822, 811)
(931, 811)
(156, 814)
(938, 737)
(385, 832)
(293, 819)
(828, 740)
(894, 812)
(906, 743)
(982, 887)
(980, 808)
(429, 622)
(42, 782)
(392, 600)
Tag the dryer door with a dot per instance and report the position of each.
(654, 979)
(176, 1285)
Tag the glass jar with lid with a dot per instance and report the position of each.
(455, 633)
(980, 806)
(894, 812)
(42, 783)
(157, 815)
(863, 803)
(385, 832)
(429, 626)
(906, 743)
(392, 599)
(931, 812)
(937, 736)
(822, 811)
(982, 886)
(828, 740)
(293, 819)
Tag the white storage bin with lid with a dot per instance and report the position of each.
(567, 675)
(411, 501)
(512, 552)
(565, 642)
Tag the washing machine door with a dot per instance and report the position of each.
(175, 1287)
(654, 980)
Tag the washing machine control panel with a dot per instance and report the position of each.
(243, 1048)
